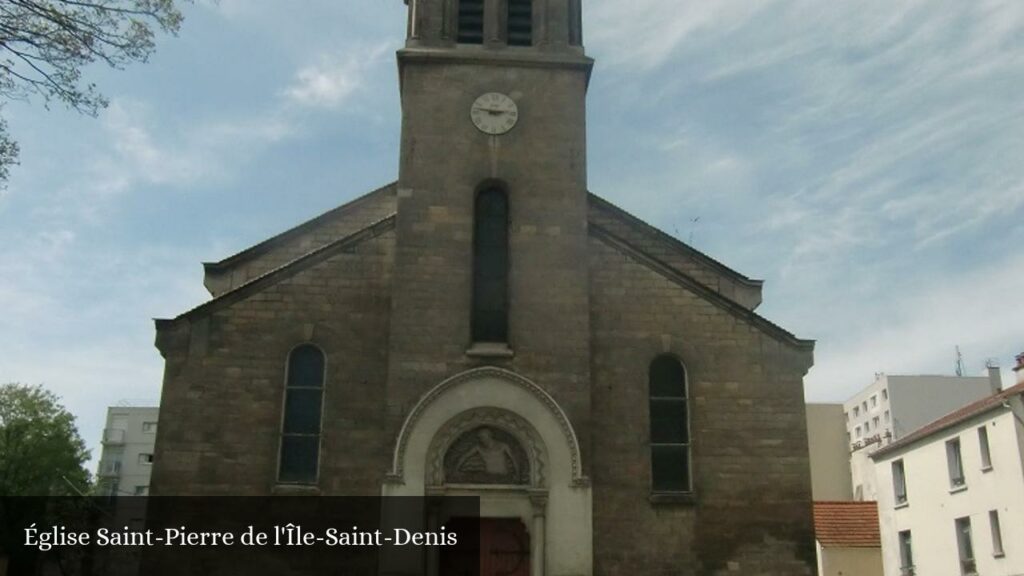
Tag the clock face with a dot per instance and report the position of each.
(494, 113)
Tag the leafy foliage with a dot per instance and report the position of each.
(44, 44)
(41, 453)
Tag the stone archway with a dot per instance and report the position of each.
(553, 499)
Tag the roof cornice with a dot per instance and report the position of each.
(282, 272)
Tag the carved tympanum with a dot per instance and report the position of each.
(486, 455)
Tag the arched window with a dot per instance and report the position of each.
(471, 21)
(303, 401)
(520, 22)
(490, 267)
(670, 425)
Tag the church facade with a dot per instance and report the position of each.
(486, 326)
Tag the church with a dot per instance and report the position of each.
(487, 326)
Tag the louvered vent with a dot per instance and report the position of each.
(471, 21)
(520, 22)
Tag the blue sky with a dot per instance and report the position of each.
(863, 158)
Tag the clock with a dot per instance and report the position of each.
(494, 113)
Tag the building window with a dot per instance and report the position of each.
(955, 464)
(906, 554)
(141, 490)
(490, 267)
(145, 458)
(864, 406)
(300, 431)
(874, 402)
(886, 416)
(885, 394)
(986, 454)
(149, 427)
(670, 426)
(899, 482)
(997, 533)
(965, 546)
(520, 22)
(858, 432)
(856, 411)
(471, 22)
(874, 423)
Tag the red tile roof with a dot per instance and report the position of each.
(847, 524)
(951, 419)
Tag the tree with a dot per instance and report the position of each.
(44, 44)
(41, 453)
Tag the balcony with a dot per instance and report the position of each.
(112, 436)
(110, 468)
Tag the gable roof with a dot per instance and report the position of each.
(740, 305)
(712, 296)
(268, 244)
(675, 243)
(952, 419)
(288, 270)
(847, 524)
(614, 221)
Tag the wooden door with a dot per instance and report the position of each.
(502, 550)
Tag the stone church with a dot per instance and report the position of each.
(487, 326)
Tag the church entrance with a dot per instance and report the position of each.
(494, 435)
(504, 550)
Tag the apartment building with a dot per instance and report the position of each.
(894, 406)
(951, 497)
(126, 460)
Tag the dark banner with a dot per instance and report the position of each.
(281, 536)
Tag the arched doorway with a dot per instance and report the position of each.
(493, 434)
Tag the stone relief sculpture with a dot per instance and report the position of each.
(486, 455)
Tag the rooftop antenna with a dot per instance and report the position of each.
(693, 222)
(959, 362)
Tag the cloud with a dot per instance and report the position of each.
(916, 330)
(182, 155)
(332, 80)
(862, 158)
(645, 33)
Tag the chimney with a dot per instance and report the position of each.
(1019, 368)
(995, 377)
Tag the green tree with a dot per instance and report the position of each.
(41, 453)
(44, 44)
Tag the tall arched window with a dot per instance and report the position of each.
(471, 21)
(670, 425)
(303, 401)
(490, 267)
(520, 22)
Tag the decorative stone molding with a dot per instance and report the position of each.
(469, 422)
(397, 472)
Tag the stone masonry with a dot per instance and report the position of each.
(383, 286)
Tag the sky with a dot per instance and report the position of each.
(863, 158)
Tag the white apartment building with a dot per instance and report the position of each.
(951, 498)
(126, 460)
(894, 406)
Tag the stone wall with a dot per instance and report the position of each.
(328, 227)
(542, 165)
(223, 387)
(752, 508)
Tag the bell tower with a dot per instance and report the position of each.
(491, 263)
(542, 24)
